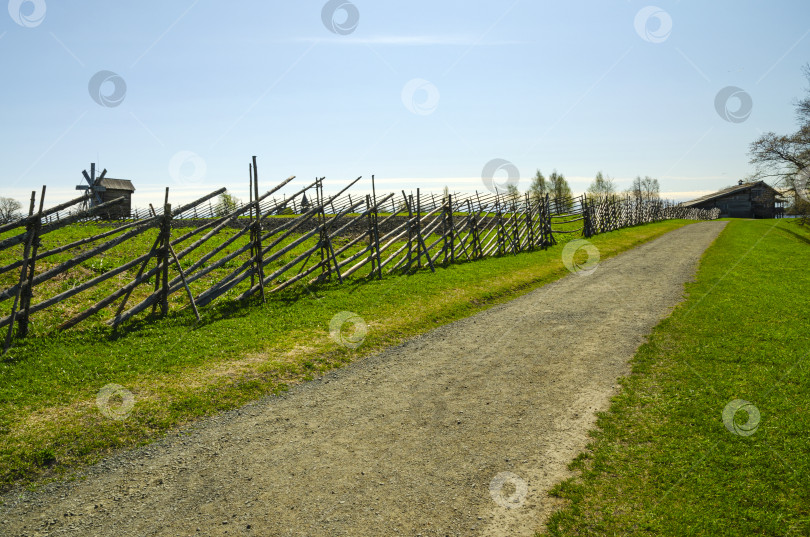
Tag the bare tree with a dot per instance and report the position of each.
(786, 158)
(645, 188)
(9, 209)
(650, 189)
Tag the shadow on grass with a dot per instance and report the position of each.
(797, 235)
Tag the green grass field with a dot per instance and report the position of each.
(178, 369)
(665, 460)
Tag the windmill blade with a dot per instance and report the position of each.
(95, 189)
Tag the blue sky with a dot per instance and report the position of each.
(421, 94)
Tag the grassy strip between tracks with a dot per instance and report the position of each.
(178, 370)
(709, 434)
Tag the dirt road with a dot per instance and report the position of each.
(458, 432)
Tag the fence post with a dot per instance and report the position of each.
(370, 234)
(17, 296)
(499, 224)
(419, 228)
(585, 225)
(376, 226)
(409, 203)
(257, 231)
(27, 291)
(549, 232)
(166, 231)
(452, 228)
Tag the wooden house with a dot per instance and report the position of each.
(745, 200)
(116, 188)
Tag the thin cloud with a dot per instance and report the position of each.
(409, 41)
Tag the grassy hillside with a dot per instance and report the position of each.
(671, 456)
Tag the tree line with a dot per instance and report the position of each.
(603, 187)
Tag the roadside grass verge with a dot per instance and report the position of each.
(665, 460)
(178, 370)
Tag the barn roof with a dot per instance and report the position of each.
(727, 191)
(117, 184)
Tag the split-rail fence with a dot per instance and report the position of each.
(328, 237)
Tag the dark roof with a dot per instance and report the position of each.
(117, 184)
(727, 191)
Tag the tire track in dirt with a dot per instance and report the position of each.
(407, 442)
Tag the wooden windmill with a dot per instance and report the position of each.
(93, 187)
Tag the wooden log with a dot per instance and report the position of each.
(376, 226)
(27, 291)
(253, 238)
(185, 283)
(160, 259)
(370, 234)
(258, 268)
(410, 227)
(26, 252)
(166, 228)
(450, 233)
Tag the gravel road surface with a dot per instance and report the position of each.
(458, 432)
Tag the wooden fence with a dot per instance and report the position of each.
(332, 237)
